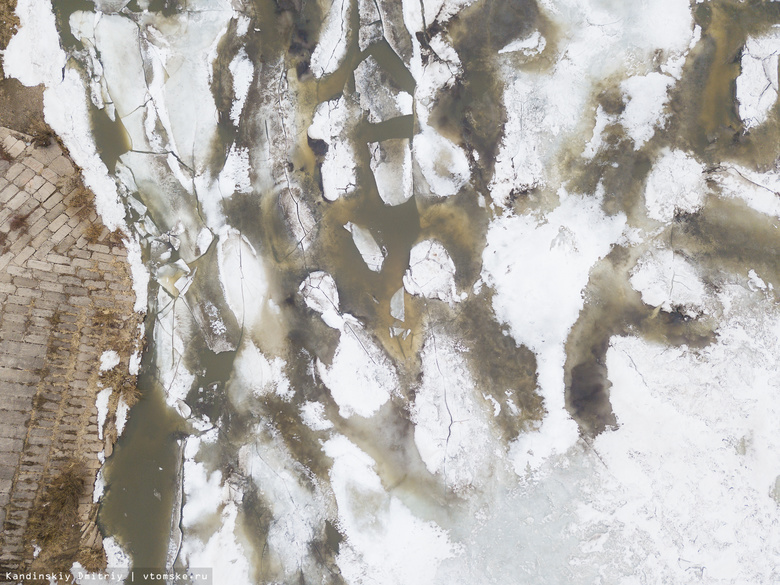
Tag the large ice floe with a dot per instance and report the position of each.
(320, 448)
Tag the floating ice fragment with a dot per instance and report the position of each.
(334, 39)
(757, 84)
(320, 294)
(330, 124)
(391, 163)
(372, 254)
(531, 45)
(431, 272)
(380, 96)
(397, 304)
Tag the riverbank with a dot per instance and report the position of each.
(68, 332)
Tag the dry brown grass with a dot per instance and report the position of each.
(8, 21)
(4, 154)
(93, 232)
(92, 559)
(54, 523)
(81, 198)
(123, 383)
(41, 132)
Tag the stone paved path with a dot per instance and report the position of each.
(65, 297)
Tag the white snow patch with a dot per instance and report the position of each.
(122, 410)
(646, 97)
(108, 360)
(65, 110)
(676, 184)
(360, 378)
(34, 55)
(255, 374)
(443, 164)
(243, 71)
(101, 403)
(313, 416)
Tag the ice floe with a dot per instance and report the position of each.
(757, 82)
(668, 280)
(331, 123)
(372, 254)
(391, 163)
(676, 184)
(431, 272)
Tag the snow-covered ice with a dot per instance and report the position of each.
(431, 272)
(757, 82)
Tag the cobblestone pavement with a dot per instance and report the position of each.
(65, 297)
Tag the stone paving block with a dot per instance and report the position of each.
(60, 234)
(35, 183)
(15, 170)
(31, 163)
(45, 191)
(62, 166)
(22, 178)
(17, 200)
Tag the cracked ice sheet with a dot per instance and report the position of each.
(757, 82)
(331, 124)
(758, 190)
(676, 184)
(296, 504)
(538, 269)
(431, 273)
(668, 280)
(242, 275)
(452, 422)
(360, 378)
(333, 40)
(689, 473)
(174, 324)
(394, 546)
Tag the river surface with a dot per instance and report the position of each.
(445, 292)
